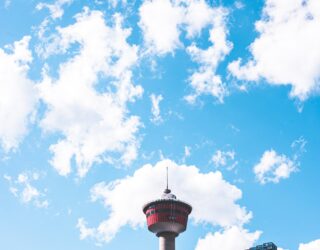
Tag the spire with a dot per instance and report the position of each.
(167, 190)
(167, 178)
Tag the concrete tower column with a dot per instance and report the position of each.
(167, 241)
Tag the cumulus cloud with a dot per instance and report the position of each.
(56, 9)
(287, 49)
(198, 15)
(223, 158)
(85, 232)
(18, 93)
(313, 245)
(23, 188)
(213, 199)
(155, 109)
(205, 80)
(234, 238)
(162, 35)
(273, 167)
(87, 102)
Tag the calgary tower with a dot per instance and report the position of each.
(167, 218)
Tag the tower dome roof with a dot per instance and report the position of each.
(168, 195)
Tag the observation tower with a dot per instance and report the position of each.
(167, 217)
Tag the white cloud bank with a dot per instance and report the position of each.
(213, 199)
(273, 167)
(18, 95)
(313, 245)
(24, 189)
(162, 36)
(287, 51)
(234, 238)
(87, 102)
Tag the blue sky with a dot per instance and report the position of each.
(98, 97)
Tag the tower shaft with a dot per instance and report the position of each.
(167, 241)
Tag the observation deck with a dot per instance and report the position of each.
(167, 215)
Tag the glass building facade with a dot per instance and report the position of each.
(265, 246)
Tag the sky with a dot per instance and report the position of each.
(98, 97)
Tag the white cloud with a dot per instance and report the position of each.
(155, 109)
(161, 34)
(213, 199)
(239, 5)
(222, 158)
(23, 188)
(112, 3)
(187, 151)
(234, 128)
(17, 91)
(234, 238)
(7, 3)
(313, 245)
(85, 232)
(287, 49)
(7, 177)
(87, 103)
(198, 15)
(273, 167)
(299, 145)
(56, 9)
(205, 80)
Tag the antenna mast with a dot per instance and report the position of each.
(167, 190)
(167, 178)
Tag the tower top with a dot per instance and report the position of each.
(167, 192)
(167, 217)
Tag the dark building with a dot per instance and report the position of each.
(265, 246)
